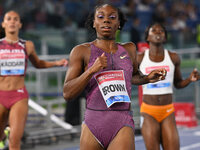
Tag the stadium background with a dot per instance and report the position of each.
(55, 26)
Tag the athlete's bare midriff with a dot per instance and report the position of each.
(9, 83)
(158, 99)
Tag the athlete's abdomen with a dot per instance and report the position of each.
(11, 82)
(164, 99)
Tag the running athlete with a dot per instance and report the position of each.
(157, 110)
(14, 55)
(106, 70)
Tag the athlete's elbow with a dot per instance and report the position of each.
(39, 66)
(67, 96)
(178, 86)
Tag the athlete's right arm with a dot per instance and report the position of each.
(77, 77)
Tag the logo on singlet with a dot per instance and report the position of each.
(122, 57)
(168, 110)
(20, 91)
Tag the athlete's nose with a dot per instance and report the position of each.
(106, 21)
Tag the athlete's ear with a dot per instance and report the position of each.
(165, 39)
(93, 24)
(2, 24)
(147, 40)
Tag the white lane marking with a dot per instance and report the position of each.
(189, 147)
(197, 133)
(138, 138)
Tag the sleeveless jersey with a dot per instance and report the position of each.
(105, 122)
(160, 87)
(13, 58)
(118, 61)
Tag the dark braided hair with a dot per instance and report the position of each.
(90, 19)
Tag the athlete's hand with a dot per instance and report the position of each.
(100, 63)
(157, 75)
(62, 62)
(194, 76)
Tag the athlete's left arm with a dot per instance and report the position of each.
(179, 82)
(38, 63)
(138, 78)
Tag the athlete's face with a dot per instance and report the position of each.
(156, 34)
(11, 22)
(106, 21)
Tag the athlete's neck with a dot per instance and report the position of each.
(11, 41)
(105, 38)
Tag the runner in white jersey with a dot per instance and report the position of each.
(161, 87)
(159, 126)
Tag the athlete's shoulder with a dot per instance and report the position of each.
(172, 53)
(28, 41)
(83, 45)
(29, 45)
(81, 49)
(128, 44)
(130, 49)
(174, 56)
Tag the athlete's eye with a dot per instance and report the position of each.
(100, 16)
(16, 19)
(153, 30)
(8, 18)
(112, 16)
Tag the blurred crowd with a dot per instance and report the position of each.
(181, 17)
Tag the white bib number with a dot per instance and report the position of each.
(112, 86)
(12, 63)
